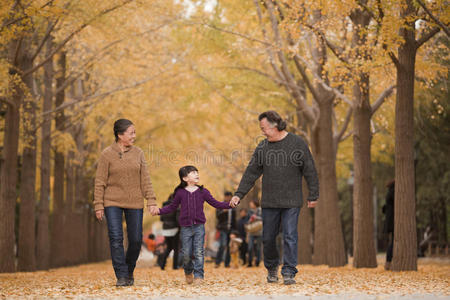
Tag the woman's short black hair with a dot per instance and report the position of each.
(120, 126)
(274, 118)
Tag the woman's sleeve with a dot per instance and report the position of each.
(146, 183)
(101, 179)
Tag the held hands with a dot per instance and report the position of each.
(312, 204)
(235, 201)
(99, 214)
(154, 211)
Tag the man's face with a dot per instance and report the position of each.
(269, 130)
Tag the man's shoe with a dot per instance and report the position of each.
(122, 281)
(272, 275)
(216, 266)
(189, 278)
(130, 281)
(288, 279)
(387, 266)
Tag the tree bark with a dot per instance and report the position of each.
(329, 241)
(8, 178)
(405, 238)
(43, 247)
(58, 215)
(26, 242)
(363, 234)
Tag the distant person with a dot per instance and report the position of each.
(150, 242)
(243, 219)
(388, 229)
(171, 233)
(282, 160)
(122, 182)
(226, 222)
(235, 244)
(191, 197)
(254, 237)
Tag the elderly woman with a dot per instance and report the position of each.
(121, 182)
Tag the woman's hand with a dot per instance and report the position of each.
(99, 214)
(153, 210)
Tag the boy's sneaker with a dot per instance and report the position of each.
(288, 279)
(189, 278)
(272, 275)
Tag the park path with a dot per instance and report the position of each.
(431, 281)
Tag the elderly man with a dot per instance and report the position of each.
(283, 159)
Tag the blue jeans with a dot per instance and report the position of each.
(254, 247)
(287, 218)
(193, 249)
(124, 264)
(224, 248)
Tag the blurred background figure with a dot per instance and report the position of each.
(171, 233)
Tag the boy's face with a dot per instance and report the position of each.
(232, 236)
(243, 213)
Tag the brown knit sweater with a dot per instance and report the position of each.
(122, 179)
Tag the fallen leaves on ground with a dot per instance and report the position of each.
(97, 280)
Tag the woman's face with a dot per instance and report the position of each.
(128, 137)
(192, 177)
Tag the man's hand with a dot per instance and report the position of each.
(99, 214)
(235, 201)
(312, 204)
(153, 210)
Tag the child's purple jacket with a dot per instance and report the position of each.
(191, 211)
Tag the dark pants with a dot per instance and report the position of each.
(390, 247)
(272, 219)
(172, 243)
(254, 248)
(224, 248)
(243, 249)
(124, 264)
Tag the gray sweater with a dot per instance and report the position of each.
(282, 164)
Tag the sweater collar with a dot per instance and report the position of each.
(116, 148)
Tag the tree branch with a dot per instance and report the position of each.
(425, 37)
(71, 35)
(7, 101)
(383, 96)
(208, 82)
(435, 19)
(50, 27)
(338, 137)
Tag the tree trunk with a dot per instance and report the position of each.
(58, 215)
(8, 178)
(43, 244)
(304, 232)
(405, 238)
(26, 243)
(329, 241)
(363, 233)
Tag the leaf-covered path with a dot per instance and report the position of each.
(317, 282)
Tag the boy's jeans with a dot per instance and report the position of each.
(124, 264)
(192, 245)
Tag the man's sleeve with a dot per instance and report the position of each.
(310, 173)
(252, 173)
